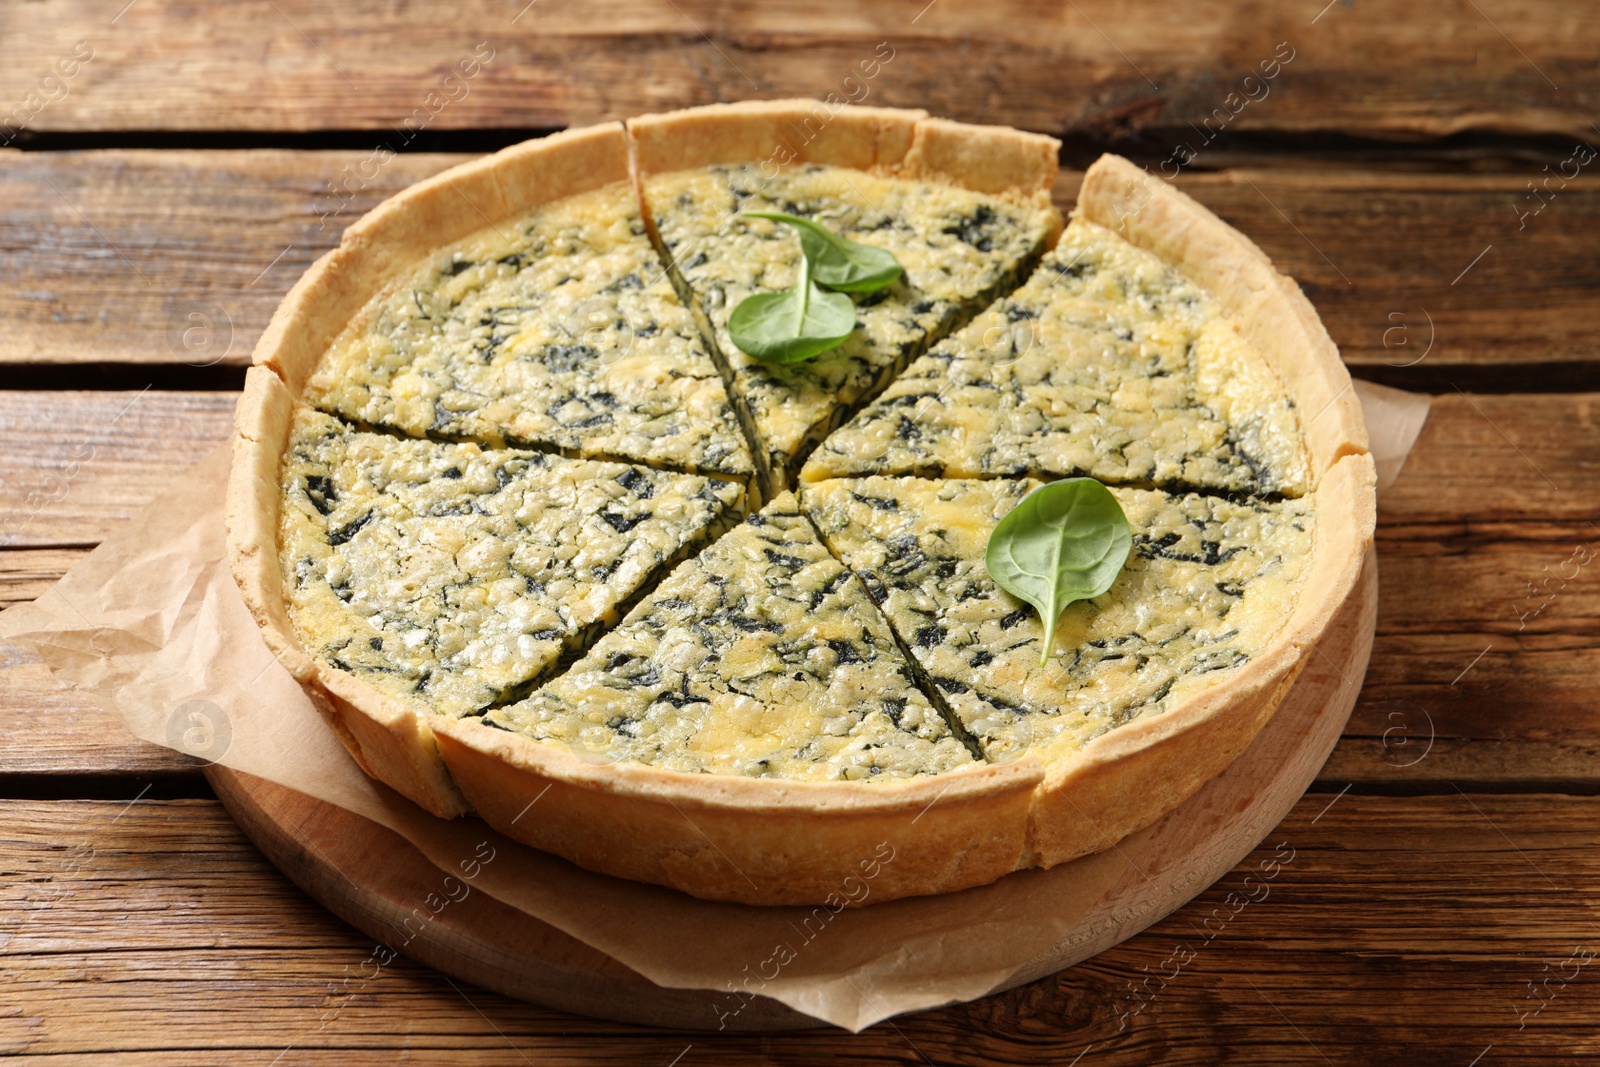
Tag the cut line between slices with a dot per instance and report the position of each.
(761, 486)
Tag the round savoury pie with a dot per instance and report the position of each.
(545, 545)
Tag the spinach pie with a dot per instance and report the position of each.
(550, 541)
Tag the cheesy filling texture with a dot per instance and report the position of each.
(959, 250)
(479, 579)
(762, 656)
(448, 575)
(559, 331)
(1107, 363)
(1208, 584)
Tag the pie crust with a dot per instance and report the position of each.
(769, 841)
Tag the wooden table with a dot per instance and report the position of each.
(1410, 163)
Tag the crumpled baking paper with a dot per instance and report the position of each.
(151, 625)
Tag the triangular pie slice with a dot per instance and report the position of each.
(448, 575)
(924, 199)
(761, 657)
(1108, 363)
(556, 330)
(1209, 583)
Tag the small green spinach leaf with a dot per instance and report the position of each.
(1066, 541)
(793, 325)
(838, 263)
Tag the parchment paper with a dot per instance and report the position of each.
(151, 625)
(1394, 419)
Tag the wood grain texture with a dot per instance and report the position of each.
(1414, 274)
(1383, 937)
(25, 573)
(1489, 621)
(180, 257)
(1484, 460)
(1385, 68)
(68, 734)
(76, 463)
(1406, 930)
(170, 257)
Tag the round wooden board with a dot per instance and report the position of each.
(492, 945)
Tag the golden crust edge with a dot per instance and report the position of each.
(1273, 313)
(1127, 778)
(903, 143)
(781, 131)
(261, 429)
(745, 840)
(385, 244)
(391, 742)
(1221, 722)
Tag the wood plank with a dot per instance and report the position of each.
(1389, 69)
(25, 573)
(1403, 762)
(1482, 459)
(1455, 694)
(67, 733)
(169, 257)
(156, 930)
(1479, 460)
(76, 465)
(180, 257)
(69, 736)
(78, 462)
(1419, 274)
(1489, 615)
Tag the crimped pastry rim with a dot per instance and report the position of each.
(1006, 816)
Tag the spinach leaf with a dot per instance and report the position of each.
(793, 325)
(837, 262)
(1066, 541)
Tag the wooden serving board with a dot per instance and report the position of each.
(490, 944)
